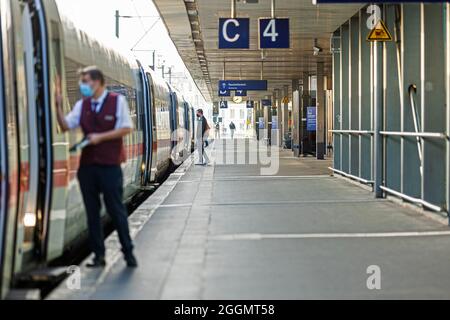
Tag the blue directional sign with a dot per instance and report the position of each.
(234, 85)
(240, 93)
(223, 104)
(224, 93)
(234, 33)
(311, 118)
(274, 33)
(250, 104)
(266, 103)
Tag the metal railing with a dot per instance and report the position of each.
(351, 176)
(418, 201)
(355, 132)
(431, 135)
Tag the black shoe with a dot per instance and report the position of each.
(131, 261)
(97, 263)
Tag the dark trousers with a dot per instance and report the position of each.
(107, 180)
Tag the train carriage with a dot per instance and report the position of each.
(42, 216)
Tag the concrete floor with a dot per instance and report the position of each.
(226, 232)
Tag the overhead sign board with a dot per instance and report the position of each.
(233, 85)
(234, 33)
(274, 33)
(224, 93)
(223, 104)
(266, 102)
(311, 118)
(250, 104)
(240, 93)
(379, 33)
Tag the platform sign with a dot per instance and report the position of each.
(234, 33)
(311, 118)
(240, 93)
(266, 102)
(274, 122)
(250, 104)
(379, 33)
(261, 123)
(224, 93)
(234, 85)
(274, 33)
(223, 104)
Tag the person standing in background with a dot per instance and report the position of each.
(232, 129)
(202, 133)
(217, 131)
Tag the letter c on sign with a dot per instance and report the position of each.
(225, 33)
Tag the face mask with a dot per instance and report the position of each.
(86, 90)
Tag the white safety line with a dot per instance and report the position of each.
(262, 236)
(293, 202)
(175, 205)
(242, 178)
(271, 203)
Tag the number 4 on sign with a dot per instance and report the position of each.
(271, 31)
(274, 33)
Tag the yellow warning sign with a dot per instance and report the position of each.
(379, 33)
(285, 100)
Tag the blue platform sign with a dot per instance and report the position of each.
(250, 104)
(234, 85)
(240, 93)
(223, 104)
(224, 93)
(261, 123)
(274, 33)
(234, 33)
(266, 103)
(311, 118)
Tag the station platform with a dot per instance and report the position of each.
(223, 231)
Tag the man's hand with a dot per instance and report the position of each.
(95, 138)
(59, 103)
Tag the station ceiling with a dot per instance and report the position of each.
(193, 26)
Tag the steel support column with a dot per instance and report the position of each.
(306, 98)
(320, 105)
(285, 114)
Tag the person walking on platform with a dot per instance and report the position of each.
(217, 131)
(232, 129)
(202, 133)
(104, 119)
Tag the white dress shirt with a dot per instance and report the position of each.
(123, 119)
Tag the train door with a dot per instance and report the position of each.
(35, 139)
(29, 151)
(147, 124)
(4, 169)
(173, 115)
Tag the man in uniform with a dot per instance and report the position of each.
(104, 119)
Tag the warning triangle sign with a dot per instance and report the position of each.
(379, 33)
